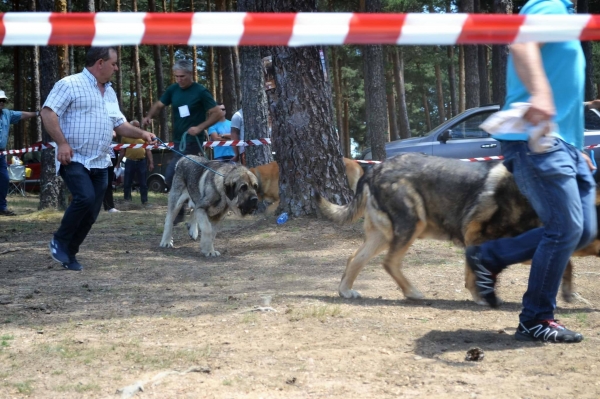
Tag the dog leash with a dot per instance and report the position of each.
(185, 156)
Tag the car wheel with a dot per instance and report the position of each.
(157, 184)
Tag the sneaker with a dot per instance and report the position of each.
(546, 331)
(113, 210)
(485, 281)
(6, 212)
(57, 252)
(73, 264)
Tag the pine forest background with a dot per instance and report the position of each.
(425, 85)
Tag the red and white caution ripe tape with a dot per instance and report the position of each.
(116, 147)
(289, 29)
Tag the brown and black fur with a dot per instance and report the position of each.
(415, 196)
(232, 188)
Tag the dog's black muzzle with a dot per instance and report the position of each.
(249, 206)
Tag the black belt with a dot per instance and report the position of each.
(136, 160)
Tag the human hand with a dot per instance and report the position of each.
(150, 166)
(194, 131)
(595, 104)
(589, 162)
(146, 121)
(148, 137)
(64, 153)
(541, 109)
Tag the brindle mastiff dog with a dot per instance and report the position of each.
(415, 196)
(268, 178)
(233, 188)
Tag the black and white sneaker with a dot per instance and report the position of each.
(485, 281)
(546, 331)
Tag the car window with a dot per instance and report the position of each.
(469, 128)
(592, 119)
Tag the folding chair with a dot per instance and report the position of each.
(16, 179)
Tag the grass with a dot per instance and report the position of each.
(25, 387)
(79, 388)
(5, 340)
(320, 313)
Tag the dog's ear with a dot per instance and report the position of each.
(230, 190)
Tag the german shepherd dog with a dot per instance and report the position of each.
(415, 196)
(233, 187)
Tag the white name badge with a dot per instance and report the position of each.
(184, 111)
(113, 110)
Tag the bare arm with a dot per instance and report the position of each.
(28, 115)
(217, 137)
(156, 108)
(528, 64)
(149, 159)
(214, 114)
(128, 130)
(235, 135)
(64, 152)
(120, 159)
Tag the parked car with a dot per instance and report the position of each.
(461, 137)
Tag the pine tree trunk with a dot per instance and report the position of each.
(583, 8)
(426, 108)
(307, 147)
(403, 121)
(472, 96)
(19, 129)
(482, 65)
(500, 57)
(337, 95)
(160, 81)
(36, 134)
(50, 184)
(391, 99)
(461, 79)
(440, 93)
(452, 82)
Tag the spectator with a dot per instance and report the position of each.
(8, 117)
(139, 160)
(221, 131)
(109, 202)
(191, 102)
(557, 181)
(237, 133)
(80, 114)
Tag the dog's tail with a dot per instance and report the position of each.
(348, 213)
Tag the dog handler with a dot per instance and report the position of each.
(80, 115)
(557, 181)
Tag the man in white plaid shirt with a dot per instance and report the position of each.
(80, 115)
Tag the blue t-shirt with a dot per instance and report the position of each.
(564, 64)
(7, 118)
(222, 128)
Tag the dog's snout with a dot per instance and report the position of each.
(254, 200)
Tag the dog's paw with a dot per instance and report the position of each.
(567, 295)
(192, 231)
(350, 294)
(414, 294)
(212, 253)
(167, 244)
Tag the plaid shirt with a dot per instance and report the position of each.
(84, 118)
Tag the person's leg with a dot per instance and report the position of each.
(109, 202)
(78, 181)
(99, 181)
(143, 169)
(549, 181)
(3, 183)
(128, 179)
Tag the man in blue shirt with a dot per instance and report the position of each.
(557, 181)
(221, 131)
(7, 118)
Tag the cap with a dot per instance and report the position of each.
(3, 95)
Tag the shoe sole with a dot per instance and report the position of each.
(528, 338)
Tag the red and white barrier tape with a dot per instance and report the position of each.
(289, 29)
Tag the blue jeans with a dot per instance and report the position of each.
(133, 168)
(560, 187)
(3, 183)
(87, 188)
(191, 148)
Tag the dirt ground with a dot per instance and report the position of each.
(150, 322)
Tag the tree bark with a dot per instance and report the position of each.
(307, 148)
(337, 95)
(391, 99)
(500, 58)
(403, 121)
(461, 79)
(452, 82)
(160, 82)
(472, 92)
(583, 8)
(484, 82)
(440, 93)
(50, 184)
(253, 98)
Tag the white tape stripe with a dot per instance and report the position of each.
(432, 28)
(27, 29)
(114, 28)
(551, 28)
(320, 28)
(217, 28)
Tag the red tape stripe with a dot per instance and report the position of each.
(267, 29)
(478, 29)
(167, 28)
(74, 28)
(592, 29)
(375, 28)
